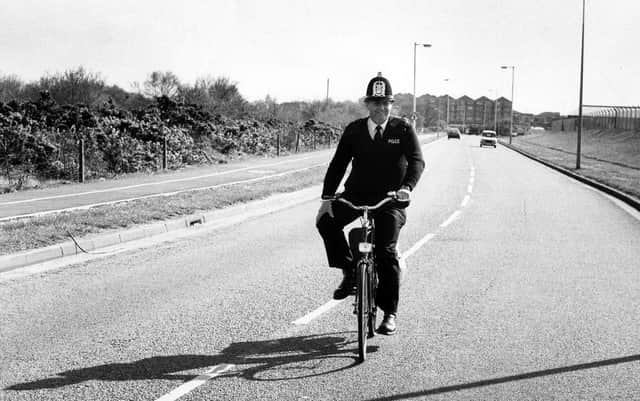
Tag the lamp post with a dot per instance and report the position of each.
(414, 117)
(447, 80)
(495, 110)
(327, 98)
(513, 73)
(580, 103)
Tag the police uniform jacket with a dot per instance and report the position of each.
(378, 167)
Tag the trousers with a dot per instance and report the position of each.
(388, 222)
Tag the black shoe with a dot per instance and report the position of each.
(388, 325)
(347, 286)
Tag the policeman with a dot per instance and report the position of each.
(385, 156)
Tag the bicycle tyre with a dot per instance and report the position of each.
(363, 310)
(373, 284)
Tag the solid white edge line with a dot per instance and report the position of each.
(622, 205)
(470, 188)
(193, 384)
(465, 201)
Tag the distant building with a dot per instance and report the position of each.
(545, 119)
(483, 112)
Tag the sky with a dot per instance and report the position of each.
(290, 49)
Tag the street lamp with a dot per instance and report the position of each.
(581, 80)
(447, 80)
(414, 117)
(495, 110)
(513, 73)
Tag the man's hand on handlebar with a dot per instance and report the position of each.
(325, 207)
(403, 195)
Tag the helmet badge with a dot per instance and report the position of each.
(379, 89)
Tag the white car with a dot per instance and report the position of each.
(488, 138)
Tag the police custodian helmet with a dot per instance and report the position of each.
(379, 88)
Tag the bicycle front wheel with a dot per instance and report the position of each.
(372, 281)
(363, 309)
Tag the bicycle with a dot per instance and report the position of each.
(361, 241)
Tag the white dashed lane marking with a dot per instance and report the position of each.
(451, 218)
(306, 319)
(312, 315)
(197, 382)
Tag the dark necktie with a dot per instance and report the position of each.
(378, 136)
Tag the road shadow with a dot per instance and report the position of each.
(268, 360)
(507, 379)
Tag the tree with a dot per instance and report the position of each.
(70, 87)
(10, 88)
(162, 84)
(265, 109)
(216, 95)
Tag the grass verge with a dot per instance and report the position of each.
(30, 233)
(612, 158)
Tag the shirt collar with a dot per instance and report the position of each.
(372, 126)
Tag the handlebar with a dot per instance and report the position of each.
(391, 196)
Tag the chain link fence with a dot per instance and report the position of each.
(602, 117)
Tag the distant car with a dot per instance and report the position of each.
(453, 133)
(473, 130)
(488, 138)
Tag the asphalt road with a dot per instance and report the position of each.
(521, 285)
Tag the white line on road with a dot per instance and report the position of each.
(312, 315)
(150, 183)
(161, 182)
(451, 218)
(470, 188)
(622, 205)
(160, 194)
(306, 319)
(333, 303)
(189, 386)
(417, 245)
(198, 381)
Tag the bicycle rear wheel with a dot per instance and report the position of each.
(362, 309)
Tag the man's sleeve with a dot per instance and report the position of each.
(338, 165)
(415, 161)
